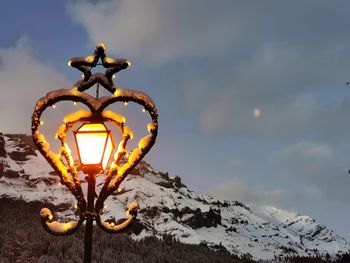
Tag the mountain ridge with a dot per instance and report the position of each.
(167, 206)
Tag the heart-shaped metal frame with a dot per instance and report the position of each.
(63, 163)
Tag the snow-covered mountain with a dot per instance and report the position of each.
(168, 206)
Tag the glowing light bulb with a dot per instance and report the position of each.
(99, 136)
(125, 103)
(104, 206)
(74, 103)
(54, 106)
(41, 123)
(113, 76)
(112, 224)
(143, 110)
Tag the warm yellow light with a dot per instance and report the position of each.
(95, 146)
(91, 146)
(125, 103)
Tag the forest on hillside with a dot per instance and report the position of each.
(23, 239)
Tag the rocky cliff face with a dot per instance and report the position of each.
(168, 206)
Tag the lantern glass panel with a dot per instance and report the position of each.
(91, 141)
(108, 151)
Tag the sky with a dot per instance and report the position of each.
(251, 95)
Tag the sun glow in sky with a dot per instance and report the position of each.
(251, 95)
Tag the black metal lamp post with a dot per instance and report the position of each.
(95, 145)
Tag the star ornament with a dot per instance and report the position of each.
(85, 64)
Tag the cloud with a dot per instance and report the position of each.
(292, 91)
(24, 79)
(157, 31)
(306, 157)
(257, 194)
(313, 168)
(234, 57)
(303, 177)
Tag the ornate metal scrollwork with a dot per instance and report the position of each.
(62, 162)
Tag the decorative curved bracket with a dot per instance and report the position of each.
(57, 228)
(112, 227)
(63, 163)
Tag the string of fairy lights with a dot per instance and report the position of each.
(62, 162)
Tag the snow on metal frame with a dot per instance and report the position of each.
(116, 174)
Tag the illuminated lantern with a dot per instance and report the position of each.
(95, 146)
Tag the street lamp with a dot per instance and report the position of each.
(95, 144)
